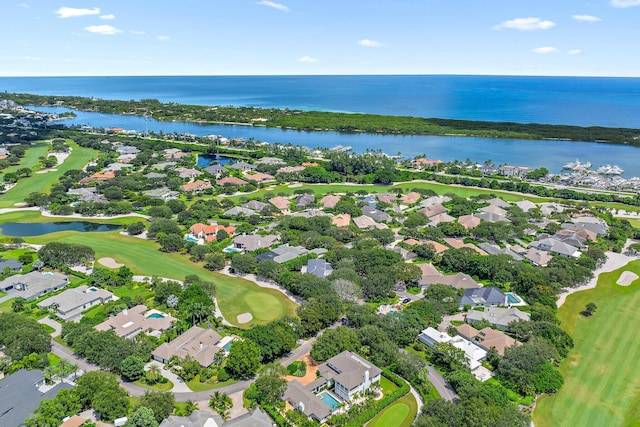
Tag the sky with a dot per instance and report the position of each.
(297, 37)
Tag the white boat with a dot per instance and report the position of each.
(610, 170)
(577, 166)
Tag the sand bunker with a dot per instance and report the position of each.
(245, 318)
(110, 263)
(627, 278)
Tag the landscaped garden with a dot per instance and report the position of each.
(602, 377)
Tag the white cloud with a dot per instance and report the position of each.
(625, 3)
(105, 30)
(307, 59)
(525, 24)
(370, 43)
(163, 38)
(575, 52)
(137, 33)
(546, 49)
(586, 18)
(72, 12)
(274, 5)
(108, 17)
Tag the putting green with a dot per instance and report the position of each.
(602, 376)
(399, 414)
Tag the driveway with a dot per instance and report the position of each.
(443, 387)
(178, 384)
(54, 324)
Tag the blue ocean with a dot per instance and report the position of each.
(582, 101)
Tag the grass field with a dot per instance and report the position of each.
(401, 413)
(438, 188)
(31, 157)
(37, 182)
(235, 296)
(602, 373)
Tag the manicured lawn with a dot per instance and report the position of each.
(401, 413)
(235, 296)
(157, 387)
(322, 189)
(387, 386)
(31, 157)
(602, 373)
(196, 385)
(634, 222)
(78, 158)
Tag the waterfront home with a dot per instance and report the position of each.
(271, 161)
(216, 170)
(130, 322)
(514, 171)
(34, 284)
(483, 297)
(198, 343)
(251, 242)
(70, 304)
(497, 316)
(188, 173)
(243, 166)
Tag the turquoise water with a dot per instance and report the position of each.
(331, 401)
(92, 289)
(227, 346)
(191, 239)
(25, 229)
(512, 299)
(230, 249)
(155, 316)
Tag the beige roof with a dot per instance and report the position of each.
(494, 210)
(439, 247)
(75, 421)
(488, 338)
(329, 201)
(280, 202)
(441, 217)
(538, 257)
(258, 176)
(342, 220)
(197, 342)
(458, 281)
(230, 180)
(467, 331)
(411, 242)
(433, 210)
(428, 269)
(469, 221)
(410, 198)
(387, 198)
(364, 222)
(129, 323)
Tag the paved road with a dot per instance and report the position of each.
(438, 381)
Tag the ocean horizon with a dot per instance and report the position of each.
(580, 101)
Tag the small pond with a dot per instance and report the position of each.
(204, 160)
(24, 229)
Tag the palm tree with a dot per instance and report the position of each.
(153, 374)
(189, 407)
(221, 403)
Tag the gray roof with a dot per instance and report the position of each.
(11, 263)
(155, 175)
(497, 250)
(319, 267)
(240, 210)
(196, 419)
(72, 302)
(482, 296)
(491, 217)
(255, 418)
(305, 199)
(283, 253)
(375, 214)
(348, 369)
(599, 229)
(251, 242)
(498, 316)
(305, 401)
(243, 166)
(35, 283)
(498, 202)
(556, 247)
(255, 205)
(19, 396)
(215, 169)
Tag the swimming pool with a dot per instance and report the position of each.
(512, 299)
(155, 316)
(191, 239)
(331, 401)
(231, 249)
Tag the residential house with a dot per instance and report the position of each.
(498, 202)
(497, 316)
(253, 418)
(437, 246)
(281, 203)
(271, 161)
(239, 210)
(70, 304)
(427, 270)
(487, 338)
(196, 186)
(342, 220)
(161, 193)
(208, 232)
(319, 268)
(251, 242)
(306, 402)
(387, 198)
(98, 177)
(118, 166)
(163, 166)
(497, 250)
(526, 205)
(433, 210)
(87, 194)
(350, 374)
(230, 180)
(435, 200)
(422, 163)
(468, 221)
(291, 169)
(491, 217)
(198, 418)
(556, 247)
(283, 253)
(127, 149)
(459, 244)
(375, 214)
(130, 322)
(571, 238)
(75, 421)
(473, 353)
(583, 233)
(494, 210)
(34, 284)
(406, 255)
(538, 257)
(547, 209)
(259, 177)
(155, 175)
(410, 198)
(305, 200)
(458, 280)
(442, 217)
(198, 343)
(21, 393)
(593, 224)
(243, 166)
(255, 205)
(483, 297)
(216, 170)
(364, 222)
(11, 264)
(329, 201)
(514, 171)
(188, 173)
